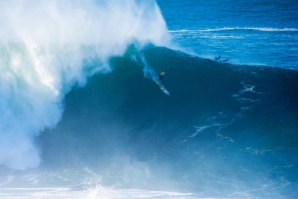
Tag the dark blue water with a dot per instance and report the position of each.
(225, 131)
(261, 32)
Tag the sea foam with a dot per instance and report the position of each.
(46, 47)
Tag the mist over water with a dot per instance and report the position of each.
(45, 48)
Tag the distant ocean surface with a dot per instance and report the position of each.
(257, 32)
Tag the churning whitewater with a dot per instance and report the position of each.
(46, 48)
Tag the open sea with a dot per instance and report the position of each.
(255, 32)
(84, 113)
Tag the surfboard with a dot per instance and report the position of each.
(162, 87)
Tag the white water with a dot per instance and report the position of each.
(45, 48)
(97, 192)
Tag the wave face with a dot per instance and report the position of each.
(46, 47)
(225, 131)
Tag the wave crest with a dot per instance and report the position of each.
(46, 47)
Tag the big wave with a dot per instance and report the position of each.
(46, 48)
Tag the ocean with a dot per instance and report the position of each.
(81, 114)
(256, 32)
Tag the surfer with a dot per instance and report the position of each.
(217, 58)
(159, 82)
(162, 75)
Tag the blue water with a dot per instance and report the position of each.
(81, 115)
(263, 32)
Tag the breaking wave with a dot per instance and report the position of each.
(46, 48)
(220, 133)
